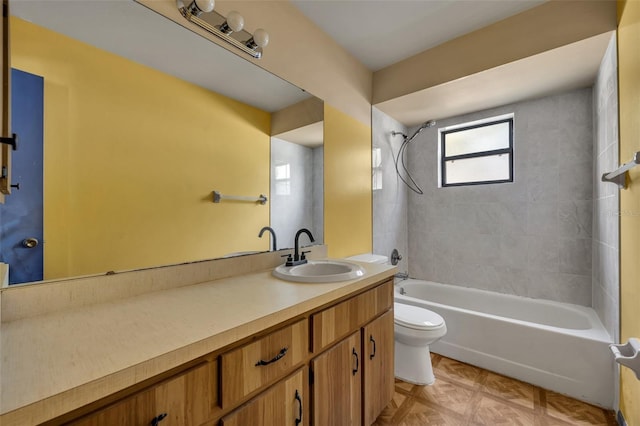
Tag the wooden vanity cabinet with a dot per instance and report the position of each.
(353, 381)
(330, 366)
(285, 403)
(185, 400)
(253, 366)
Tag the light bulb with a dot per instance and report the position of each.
(205, 5)
(261, 37)
(235, 21)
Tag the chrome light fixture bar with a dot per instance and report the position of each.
(229, 29)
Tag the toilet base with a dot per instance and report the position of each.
(413, 364)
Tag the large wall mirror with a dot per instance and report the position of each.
(136, 121)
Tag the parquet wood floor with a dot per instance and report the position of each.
(466, 395)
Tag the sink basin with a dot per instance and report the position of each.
(320, 271)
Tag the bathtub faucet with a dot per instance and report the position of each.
(402, 291)
(402, 275)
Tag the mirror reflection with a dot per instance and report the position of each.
(297, 160)
(136, 124)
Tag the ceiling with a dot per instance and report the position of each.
(378, 33)
(132, 32)
(382, 32)
(566, 68)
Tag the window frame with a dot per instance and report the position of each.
(478, 154)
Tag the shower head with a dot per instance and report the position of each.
(423, 126)
(394, 133)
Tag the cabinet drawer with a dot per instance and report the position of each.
(336, 322)
(187, 399)
(286, 403)
(252, 366)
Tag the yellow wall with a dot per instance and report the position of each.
(131, 158)
(629, 81)
(347, 184)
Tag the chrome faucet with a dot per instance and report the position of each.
(299, 259)
(273, 234)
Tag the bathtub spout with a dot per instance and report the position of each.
(402, 275)
(402, 291)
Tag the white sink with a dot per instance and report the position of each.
(320, 271)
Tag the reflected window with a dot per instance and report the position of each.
(376, 163)
(282, 175)
(477, 153)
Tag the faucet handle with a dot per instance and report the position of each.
(302, 256)
(289, 259)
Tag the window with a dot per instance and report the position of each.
(477, 153)
(376, 163)
(282, 176)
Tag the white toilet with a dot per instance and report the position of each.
(415, 328)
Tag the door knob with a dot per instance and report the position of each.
(30, 242)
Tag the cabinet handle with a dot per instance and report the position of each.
(299, 418)
(374, 346)
(354, 353)
(157, 419)
(281, 354)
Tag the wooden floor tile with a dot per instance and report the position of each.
(464, 395)
(574, 411)
(492, 411)
(420, 414)
(386, 418)
(459, 372)
(510, 389)
(447, 395)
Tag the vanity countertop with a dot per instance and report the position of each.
(60, 361)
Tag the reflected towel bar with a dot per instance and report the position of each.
(619, 176)
(217, 197)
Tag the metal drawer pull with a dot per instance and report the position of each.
(374, 346)
(158, 419)
(354, 353)
(299, 419)
(281, 354)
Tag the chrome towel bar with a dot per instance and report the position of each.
(619, 176)
(217, 197)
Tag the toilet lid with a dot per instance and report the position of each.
(416, 317)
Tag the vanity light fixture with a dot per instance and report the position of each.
(230, 29)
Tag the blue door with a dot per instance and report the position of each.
(21, 229)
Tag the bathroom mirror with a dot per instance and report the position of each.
(140, 121)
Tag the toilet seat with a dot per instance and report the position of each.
(416, 318)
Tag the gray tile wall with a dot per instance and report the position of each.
(390, 202)
(531, 237)
(606, 255)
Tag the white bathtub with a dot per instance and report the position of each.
(553, 345)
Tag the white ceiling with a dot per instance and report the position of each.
(382, 32)
(130, 30)
(378, 32)
(310, 135)
(566, 68)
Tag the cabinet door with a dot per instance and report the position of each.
(284, 404)
(186, 400)
(378, 381)
(337, 382)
